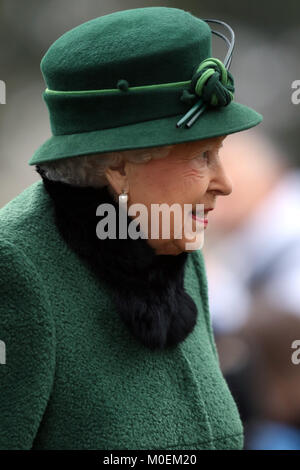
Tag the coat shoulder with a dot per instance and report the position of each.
(26, 210)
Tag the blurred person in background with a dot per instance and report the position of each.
(254, 248)
(253, 265)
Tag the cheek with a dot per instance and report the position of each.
(178, 177)
(190, 183)
(146, 185)
(158, 182)
(153, 182)
(192, 177)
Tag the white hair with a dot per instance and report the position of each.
(89, 170)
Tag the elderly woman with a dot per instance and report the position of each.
(108, 339)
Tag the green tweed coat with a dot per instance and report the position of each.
(73, 375)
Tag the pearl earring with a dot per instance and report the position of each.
(123, 198)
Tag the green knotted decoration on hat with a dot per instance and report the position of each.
(213, 83)
(125, 80)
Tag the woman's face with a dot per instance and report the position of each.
(191, 174)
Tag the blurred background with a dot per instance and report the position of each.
(252, 244)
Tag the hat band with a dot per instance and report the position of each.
(73, 112)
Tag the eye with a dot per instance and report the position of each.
(204, 155)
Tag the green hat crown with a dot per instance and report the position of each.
(125, 67)
(145, 46)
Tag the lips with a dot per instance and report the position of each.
(201, 216)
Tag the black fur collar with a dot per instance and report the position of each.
(148, 288)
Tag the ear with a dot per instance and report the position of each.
(118, 178)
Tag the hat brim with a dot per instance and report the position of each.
(213, 123)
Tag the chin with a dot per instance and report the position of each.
(193, 244)
(177, 246)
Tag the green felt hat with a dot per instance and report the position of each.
(124, 80)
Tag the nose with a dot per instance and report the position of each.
(220, 182)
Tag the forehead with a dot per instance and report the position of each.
(212, 141)
(189, 148)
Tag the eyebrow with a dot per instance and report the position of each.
(206, 147)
